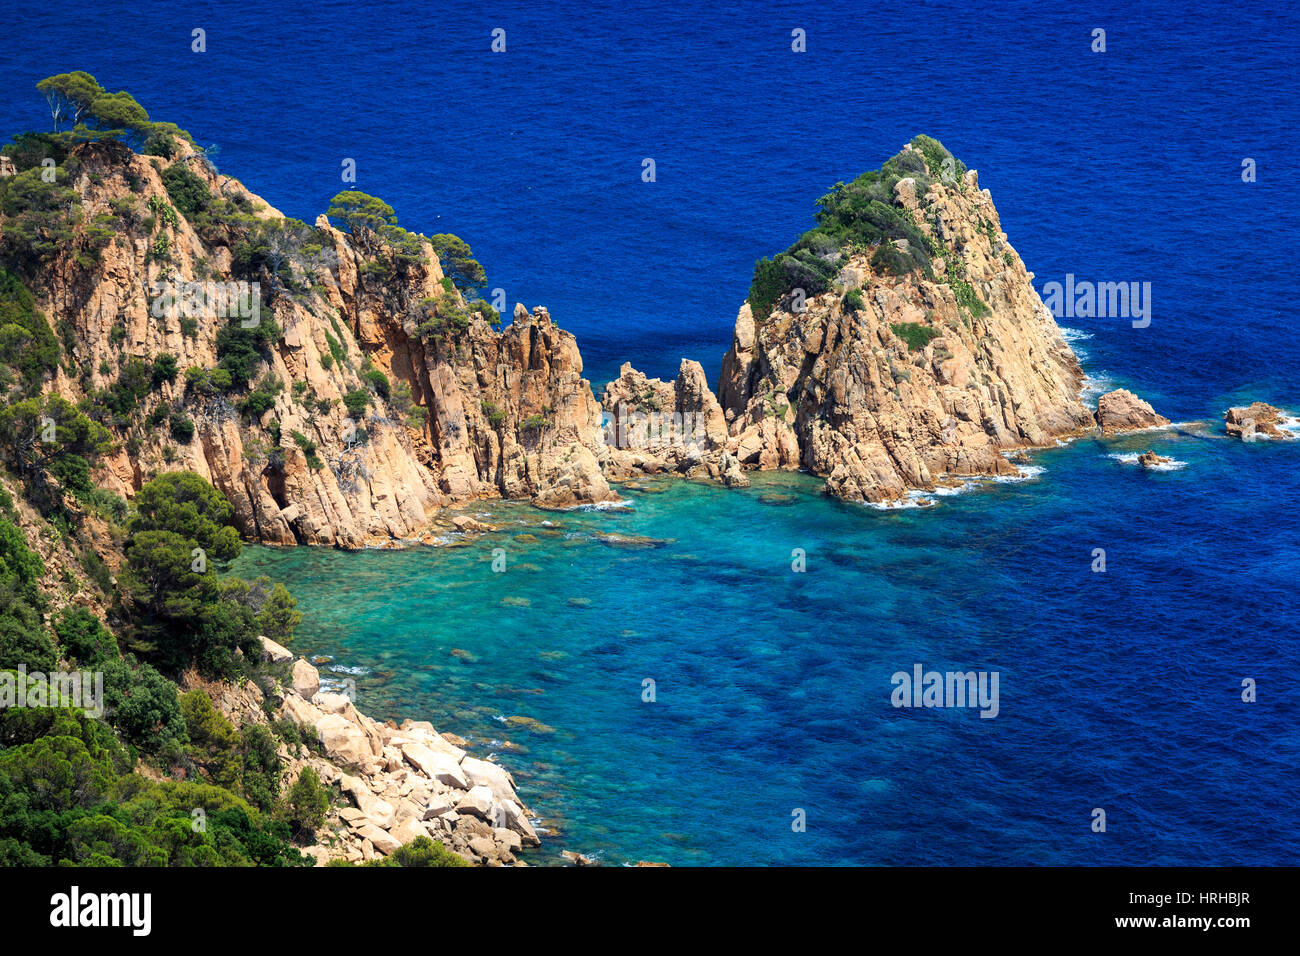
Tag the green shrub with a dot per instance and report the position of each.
(161, 250)
(966, 297)
(240, 350)
(182, 427)
(888, 259)
(307, 802)
(852, 300)
(422, 851)
(84, 638)
(487, 311)
(916, 335)
(188, 193)
(214, 743)
(308, 450)
(143, 705)
(261, 766)
(378, 381)
(160, 144)
(356, 402)
(337, 352)
(852, 217)
(164, 368)
(27, 343)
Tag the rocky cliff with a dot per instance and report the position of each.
(922, 357)
(897, 345)
(454, 408)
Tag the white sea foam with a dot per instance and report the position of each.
(1095, 385)
(912, 499)
(949, 491)
(1074, 338)
(1173, 464)
(1023, 473)
(927, 498)
(1286, 423)
(600, 506)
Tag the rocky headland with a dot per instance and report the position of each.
(898, 344)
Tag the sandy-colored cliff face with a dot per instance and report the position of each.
(909, 386)
(507, 413)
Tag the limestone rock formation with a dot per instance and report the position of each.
(1122, 411)
(1256, 419)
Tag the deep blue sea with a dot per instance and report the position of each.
(1119, 690)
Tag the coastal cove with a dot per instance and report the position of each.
(773, 687)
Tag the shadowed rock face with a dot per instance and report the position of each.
(506, 413)
(910, 386)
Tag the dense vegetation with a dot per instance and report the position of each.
(859, 217)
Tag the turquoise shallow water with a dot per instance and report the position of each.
(1118, 689)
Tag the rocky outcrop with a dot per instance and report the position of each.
(886, 382)
(400, 782)
(1122, 411)
(1151, 460)
(490, 413)
(658, 427)
(1255, 420)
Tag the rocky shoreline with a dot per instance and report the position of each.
(401, 781)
